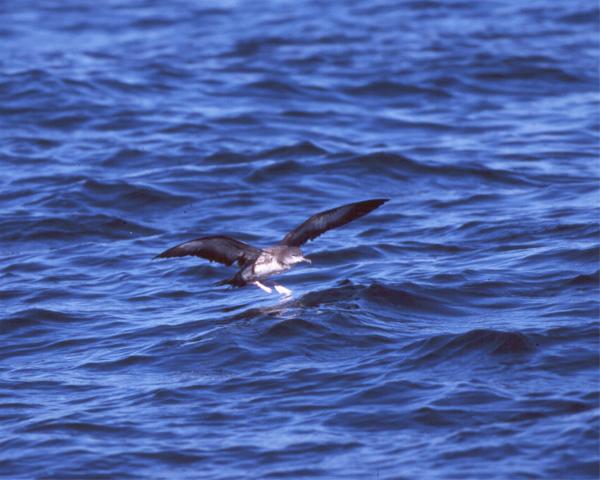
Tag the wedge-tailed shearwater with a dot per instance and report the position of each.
(259, 263)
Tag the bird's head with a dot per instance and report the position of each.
(294, 255)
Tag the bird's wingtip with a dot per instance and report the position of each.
(377, 201)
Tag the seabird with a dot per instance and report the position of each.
(257, 264)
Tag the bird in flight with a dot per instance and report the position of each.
(257, 264)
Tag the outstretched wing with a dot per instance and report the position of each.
(321, 222)
(220, 249)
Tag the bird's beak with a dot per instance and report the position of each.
(306, 260)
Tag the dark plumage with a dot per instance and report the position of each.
(319, 223)
(257, 264)
(220, 249)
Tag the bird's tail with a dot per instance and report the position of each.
(234, 282)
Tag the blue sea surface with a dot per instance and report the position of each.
(453, 333)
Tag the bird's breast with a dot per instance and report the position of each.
(266, 264)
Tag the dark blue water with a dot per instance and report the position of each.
(452, 333)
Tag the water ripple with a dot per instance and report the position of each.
(450, 334)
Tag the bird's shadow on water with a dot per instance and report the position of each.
(286, 315)
(285, 307)
(303, 308)
(294, 305)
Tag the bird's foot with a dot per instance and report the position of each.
(264, 288)
(282, 290)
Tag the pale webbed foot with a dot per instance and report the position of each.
(282, 290)
(264, 288)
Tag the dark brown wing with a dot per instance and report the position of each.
(321, 222)
(220, 249)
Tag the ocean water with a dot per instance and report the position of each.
(452, 333)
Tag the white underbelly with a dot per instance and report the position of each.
(266, 265)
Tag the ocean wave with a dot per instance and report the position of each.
(34, 317)
(402, 167)
(391, 89)
(452, 347)
(83, 227)
(450, 334)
